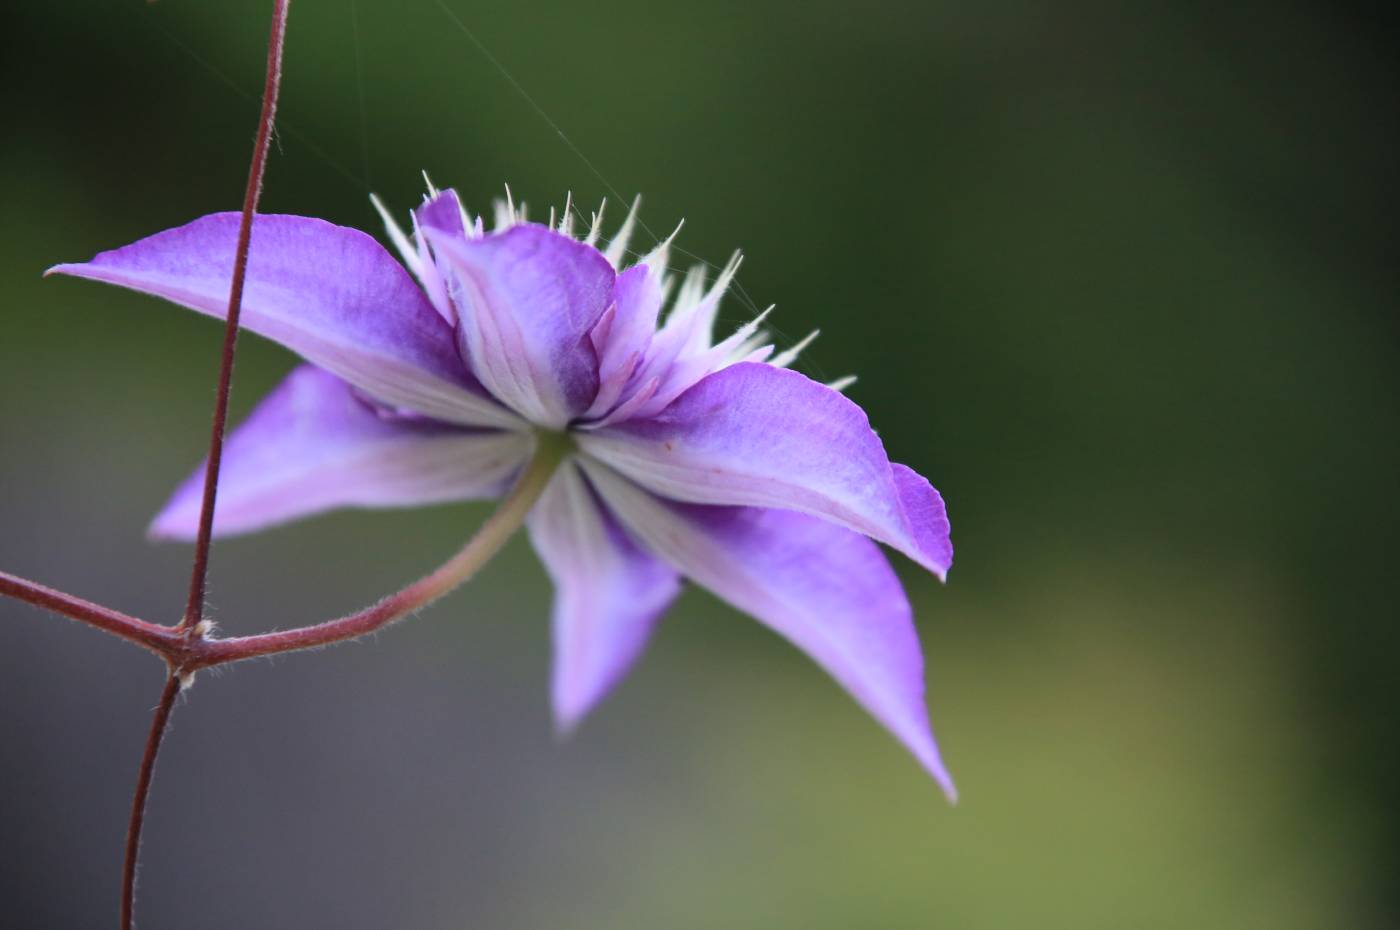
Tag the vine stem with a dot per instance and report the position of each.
(186, 655)
(199, 573)
(159, 723)
(190, 624)
(158, 639)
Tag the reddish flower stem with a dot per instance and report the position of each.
(159, 639)
(194, 607)
(187, 654)
(159, 722)
(488, 540)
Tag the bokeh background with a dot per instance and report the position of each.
(1118, 277)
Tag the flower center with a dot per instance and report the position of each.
(553, 444)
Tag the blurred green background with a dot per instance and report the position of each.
(1118, 277)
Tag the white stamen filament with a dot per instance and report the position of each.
(617, 248)
(788, 356)
(406, 249)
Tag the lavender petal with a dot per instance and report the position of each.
(760, 436)
(608, 593)
(331, 294)
(527, 299)
(312, 445)
(622, 337)
(828, 590)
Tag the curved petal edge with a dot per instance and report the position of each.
(828, 590)
(329, 293)
(757, 436)
(609, 593)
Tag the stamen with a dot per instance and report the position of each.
(735, 346)
(504, 215)
(666, 243)
(731, 268)
(755, 345)
(566, 225)
(407, 250)
(787, 357)
(467, 225)
(748, 329)
(597, 227)
(759, 354)
(692, 290)
(660, 256)
(709, 307)
(617, 248)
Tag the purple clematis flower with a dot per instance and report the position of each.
(687, 457)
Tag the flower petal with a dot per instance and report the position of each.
(760, 436)
(418, 260)
(608, 593)
(329, 293)
(442, 211)
(623, 334)
(527, 299)
(313, 445)
(829, 591)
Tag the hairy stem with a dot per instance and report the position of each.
(487, 541)
(194, 606)
(186, 653)
(158, 639)
(159, 722)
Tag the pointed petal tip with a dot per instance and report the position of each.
(926, 753)
(928, 519)
(935, 552)
(570, 709)
(939, 564)
(68, 268)
(177, 520)
(566, 723)
(166, 528)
